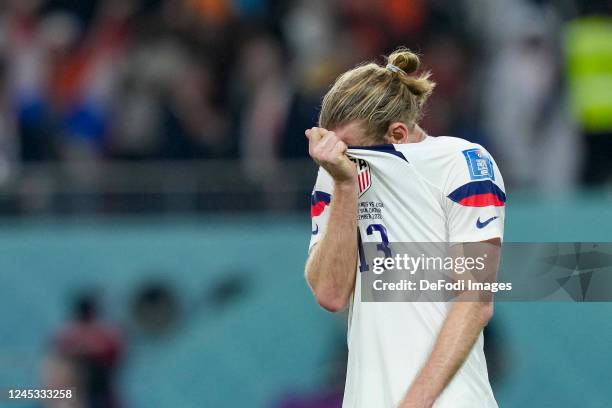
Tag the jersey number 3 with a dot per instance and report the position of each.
(383, 246)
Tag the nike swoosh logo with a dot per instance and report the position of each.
(315, 231)
(483, 224)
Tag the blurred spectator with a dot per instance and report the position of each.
(589, 71)
(86, 354)
(146, 79)
(525, 105)
(263, 98)
(8, 136)
(449, 108)
(202, 127)
(85, 79)
(28, 73)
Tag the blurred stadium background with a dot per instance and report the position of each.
(154, 187)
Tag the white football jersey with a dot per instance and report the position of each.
(443, 189)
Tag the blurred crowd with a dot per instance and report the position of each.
(241, 79)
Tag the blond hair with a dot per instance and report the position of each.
(376, 96)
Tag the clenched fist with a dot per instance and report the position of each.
(329, 152)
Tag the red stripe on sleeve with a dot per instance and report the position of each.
(317, 209)
(482, 200)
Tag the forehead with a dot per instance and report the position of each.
(352, 133)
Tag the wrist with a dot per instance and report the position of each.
(345, 186)
(423, 393)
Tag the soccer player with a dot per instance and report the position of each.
(425, 189)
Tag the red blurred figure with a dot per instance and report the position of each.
(91, 349)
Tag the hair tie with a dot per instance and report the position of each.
(394, 68)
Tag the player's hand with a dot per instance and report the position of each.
(329, 152)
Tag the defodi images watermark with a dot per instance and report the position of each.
(440, 272)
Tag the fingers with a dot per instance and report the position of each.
(320, 142)
(315, 133)
(328, 141)
(327, 150)
(339, 148)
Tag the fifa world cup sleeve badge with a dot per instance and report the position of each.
(479, 164)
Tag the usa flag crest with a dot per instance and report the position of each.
(364, 179)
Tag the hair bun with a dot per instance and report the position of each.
(405, 60)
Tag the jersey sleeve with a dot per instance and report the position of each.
(320, 200)
(475, 197)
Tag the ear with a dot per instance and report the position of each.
(397, 132)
